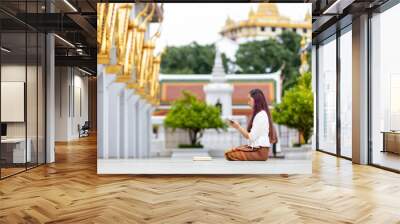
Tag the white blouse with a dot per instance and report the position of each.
(259, 131)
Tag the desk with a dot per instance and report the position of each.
(391, 141)
(16, 147)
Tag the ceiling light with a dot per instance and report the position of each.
(70, 5)
(65, 41)
(337, 7)
(84, 71)
(5, 50)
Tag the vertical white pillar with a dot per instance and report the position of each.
(126, 122)
(314, 88)
(50, 98)
(360, 90)
(150, 114)
(278, 83)
(114, 93)
(142, 128)
(102, 105)
(123, 123)
(148, 130)
(132, 125)
(136, 128)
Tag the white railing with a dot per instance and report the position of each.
(216, 142)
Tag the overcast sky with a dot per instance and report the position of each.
(201, 22)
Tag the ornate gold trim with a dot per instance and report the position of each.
(113, 69)
(103, 59)
(123, 78)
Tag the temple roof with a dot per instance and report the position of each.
(173, 85)
(266, 14)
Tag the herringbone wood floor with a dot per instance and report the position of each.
(70, 191)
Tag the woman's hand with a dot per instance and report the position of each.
(234, 124)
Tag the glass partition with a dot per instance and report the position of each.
(14, 145)
(327, 95)
(385, 89)
(346, 93)
(22, 88)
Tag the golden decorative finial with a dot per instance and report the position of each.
(303, 56)
(228, 21)
(303, 42)
(123, 17)
(308, 16)
(251, 13)
(106, 21)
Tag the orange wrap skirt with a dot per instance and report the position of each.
(247, 153)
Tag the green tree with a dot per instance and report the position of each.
(291, 41)
(251, 57)
(297, 108)
(260, 56)
(194, 116)
(188, 59)
(270, 55)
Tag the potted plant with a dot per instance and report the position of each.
(193, 116)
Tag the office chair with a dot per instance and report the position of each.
(84, 130)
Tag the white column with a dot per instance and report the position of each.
(360, 90)
(142, 128)
(314, 88)
(104, 81)
(64, 101)
(122, 123)
(127, 107)
(132, 125)
(137, 127)
(50, 99)
(102, 105)
(278, 83)
(150, 132)
(148, 129)
(114, 106)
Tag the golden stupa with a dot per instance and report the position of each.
(265, 22)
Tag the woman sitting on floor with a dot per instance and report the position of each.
(260, 132)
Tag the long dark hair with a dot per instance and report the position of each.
(260, 103)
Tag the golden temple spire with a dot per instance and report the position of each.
(251, 13)
(308, 16)
(303, 42)
(267, 10)
(229, 21)
(303, 56)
